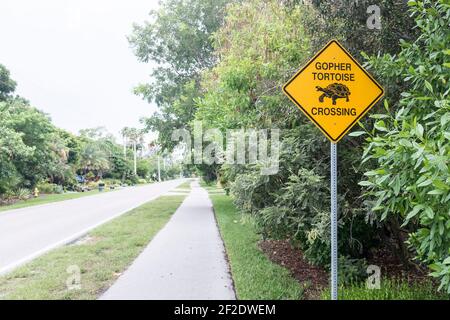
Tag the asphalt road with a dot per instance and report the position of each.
(185, 260)
(29, 232)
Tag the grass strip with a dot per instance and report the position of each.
(390, 289)
(101, 257)
(254, 275)
(184, 186)
(48, 198)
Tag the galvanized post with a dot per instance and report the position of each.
(334, 214)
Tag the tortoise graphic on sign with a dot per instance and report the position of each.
(334, 91)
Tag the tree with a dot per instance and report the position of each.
(7, 85)
(94, 159)
(136, 138)
(178, 40)
(12, 149)
(143, 168)
(347, 21)
(38, 133)
(409, 143)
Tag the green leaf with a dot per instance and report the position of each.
(447, 135)
(396, 186)
(429, 212)
(386, 105)
(414, 212)
(424, 98)
(425, 183)
(429, 86)
(381, 126)
(446, 261)
(365, 183)
(419, 131)
(436, 192)
(440, 185)
(434, 267)
(375, 172)
(357, 133)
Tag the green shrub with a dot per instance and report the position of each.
(132, 180)
(251, 191)
(92, 185)
(59, 189)
(299, 213)
(22, 194)
(48, 188)
(351, 271)
(409, 144)
(143, 168)
(112, 182)
(297, 206)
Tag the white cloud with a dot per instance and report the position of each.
(71, 59)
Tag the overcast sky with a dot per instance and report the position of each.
(72, 60)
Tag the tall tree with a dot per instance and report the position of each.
(177, 38)
(136, 138)
(7, 85)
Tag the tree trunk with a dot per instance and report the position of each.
(135, 158)
(400, 248)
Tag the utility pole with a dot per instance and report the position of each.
(159, 170)
(124, 147)
(135, 157)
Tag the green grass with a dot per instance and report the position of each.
(389, 290)
(106, 253)
(48, 198)
(208, 185)
(254, 275)
(184, 186)
(211, 187)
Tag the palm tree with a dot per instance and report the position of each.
(93, 158)
(135, 136)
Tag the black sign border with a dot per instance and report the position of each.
(310, 117)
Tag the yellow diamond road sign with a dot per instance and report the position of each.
(333, 90)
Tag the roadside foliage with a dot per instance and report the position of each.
(393, 171)
(34, 153)
(223, 63)
(409, 143)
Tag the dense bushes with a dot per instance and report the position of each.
(402, 200)
(35, 153)
(409, 143)
(45, 187)
(410, 186)
(30, 148)
(294, 203)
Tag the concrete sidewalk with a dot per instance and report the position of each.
(185, 260)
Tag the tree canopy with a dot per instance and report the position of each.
(229, 75)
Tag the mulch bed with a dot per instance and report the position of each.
(313, 278)
(392, 267)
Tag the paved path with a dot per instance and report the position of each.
(28, 232)
(185, 260)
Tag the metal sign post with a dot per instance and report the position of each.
(334, 221)
(334, 91)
